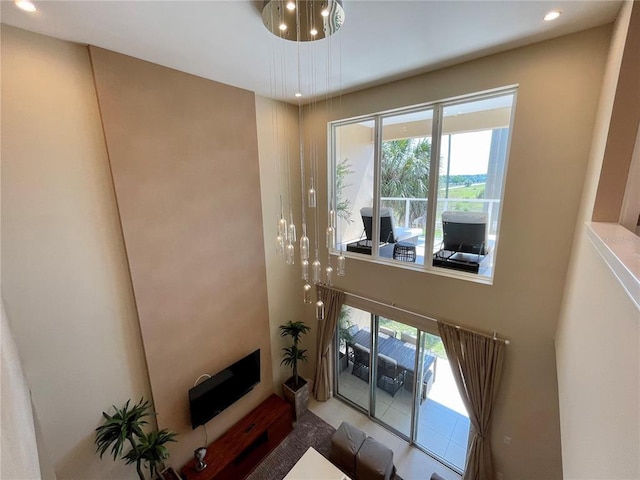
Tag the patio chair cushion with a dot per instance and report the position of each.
(390, 376)
(345, 443)
(374, 461)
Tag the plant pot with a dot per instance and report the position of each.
(297, 397)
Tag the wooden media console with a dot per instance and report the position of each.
(237, 452)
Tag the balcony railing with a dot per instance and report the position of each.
(404, 207)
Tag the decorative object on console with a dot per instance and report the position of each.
(126, 426)
(199, 454)
(295, 389)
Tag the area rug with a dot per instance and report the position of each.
(309, 431)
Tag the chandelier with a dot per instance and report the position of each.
(303, 21)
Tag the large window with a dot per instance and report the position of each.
(422, 187)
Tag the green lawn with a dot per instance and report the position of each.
(471, 191)
(433, 343)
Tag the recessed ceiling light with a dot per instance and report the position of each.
(552, 15)
(313, 31)
(298, 95)
(282, 27)
(324, 12)
(25, 5)
(291, 5)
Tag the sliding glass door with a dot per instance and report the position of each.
(396, 359)
(442, 422)
(409, 387)
(353, 361)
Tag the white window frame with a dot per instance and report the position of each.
(436, 139)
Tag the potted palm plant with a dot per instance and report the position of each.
(125, 427)
(295, 389)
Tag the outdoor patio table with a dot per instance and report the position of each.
(394, 348)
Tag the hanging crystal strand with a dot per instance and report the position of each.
(279, 245)
(341, 264)
(331, 230)
(306, 289)
(282, 228)
(304, 243)
(316, 269)
(305, 270)
(331, 237)
(312, 195)
(292, 231)
(329, 271)
(282, 224)
(320, 310)
(290, 253)
(282, 232)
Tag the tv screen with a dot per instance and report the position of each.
(211, 397)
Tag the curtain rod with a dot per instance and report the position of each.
(393, 305)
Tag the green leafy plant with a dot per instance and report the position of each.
(125, 427)
(344, 327)
(343, 205)
(292, 354)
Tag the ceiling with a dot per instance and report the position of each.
(380, 41)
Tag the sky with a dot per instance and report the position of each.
(469, 153)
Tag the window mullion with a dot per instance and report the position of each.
(432, 197)
(377, 154)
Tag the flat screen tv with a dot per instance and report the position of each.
(211, 397)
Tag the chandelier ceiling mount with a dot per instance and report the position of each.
(303, 20)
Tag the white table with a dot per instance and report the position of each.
(313, 466)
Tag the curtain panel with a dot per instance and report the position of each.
(476, 362)
(323, 379)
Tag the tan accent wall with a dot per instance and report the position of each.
(184, 159)
(65, 280)
(599, 400)
(559, 85)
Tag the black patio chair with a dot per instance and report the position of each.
(361, 362)
(390, 375)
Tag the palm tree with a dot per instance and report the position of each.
(343, 205)
(292, 354)
(405, 173)
(121, 427)
(126, 426)
(152, 450)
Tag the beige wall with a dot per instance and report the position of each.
(599, 399)
(278, 138)
(559, 85)
(184, 158)
(65, 280)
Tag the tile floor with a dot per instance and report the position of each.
(441, 430)
(411, 463)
